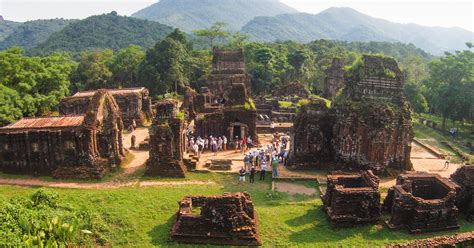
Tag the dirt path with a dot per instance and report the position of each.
(293, 189)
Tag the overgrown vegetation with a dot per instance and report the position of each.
(45, 220)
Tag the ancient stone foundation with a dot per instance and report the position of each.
(464, 178)
(451, 241)
(166, 142)
(229, 219)
(422, 202)
(352, 198)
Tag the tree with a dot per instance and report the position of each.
(164, 68)
(32, 85)
(93, 71)
(238, 40)
(298, 58)
(451, 85)
(124, 66)
(414, 94)
(215, 32)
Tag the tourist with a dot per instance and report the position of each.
(196, 149)
(242, 175)
(206, 144)
(272, 126)
(243, 146)
(219, 144)
(134, 124)
(224, 142)
(214, 146)
(446, 163)
(236, 143)
(275, 164)
(132, 141)
(263, 170)
(249, 142)
(264, 163)
(252, 174)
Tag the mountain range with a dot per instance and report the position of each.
(262, 20)
(189, 15)
(350, 25)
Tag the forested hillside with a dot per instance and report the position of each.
(189, 15)
(31, 33)
(104, 31)
(7, 27)
(349, 25)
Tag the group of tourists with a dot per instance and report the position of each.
(200, 145)
(262, 158)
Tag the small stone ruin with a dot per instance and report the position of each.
(334, 80)
(167, 142)
(229, 219)
(464, 178)
(422, 202)
(352, 198)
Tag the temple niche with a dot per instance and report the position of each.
(334, 80)
(229, 219)
(166, 142)
(134, 104)
(464, 179)
(224, 107)
(422, 202)
(75, 146)
(367, 127)
(352, 198)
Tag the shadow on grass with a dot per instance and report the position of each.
(159, 234)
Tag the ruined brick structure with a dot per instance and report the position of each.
(422, 202)
(334, 80)
(293, 90)
(166, 142)
(446, 241)
(360, 131)
(224, 107)
(352, 198)
(134, 104)
(464, 178)
(228, 68)
(229, 219)
(76, 146)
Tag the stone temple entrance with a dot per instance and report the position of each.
(237, 129)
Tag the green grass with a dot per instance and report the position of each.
(285, 104)
(142, 217)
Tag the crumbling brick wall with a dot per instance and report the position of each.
(334, 80)
(422, 202)
(166, 142)
(352, 198)
(464, 178)
(370, 130)
(229, 219)
(80, 146)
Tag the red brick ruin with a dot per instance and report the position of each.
(75, 146)
(422, 202)
(464, 179)
(229, 219)
(134, 104)
(352, 198)
(368, 126)
(166, 142)
(224, 107)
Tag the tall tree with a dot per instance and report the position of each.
(93, 71)
(451, 84)
(124, 66)
(215, 33)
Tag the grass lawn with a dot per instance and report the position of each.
(142, 217)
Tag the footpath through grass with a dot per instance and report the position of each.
(142, 217)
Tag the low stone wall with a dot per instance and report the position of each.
(457, 240)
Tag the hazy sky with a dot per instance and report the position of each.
(446, 13)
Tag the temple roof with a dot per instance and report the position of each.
(124, 91)
(46, 122)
